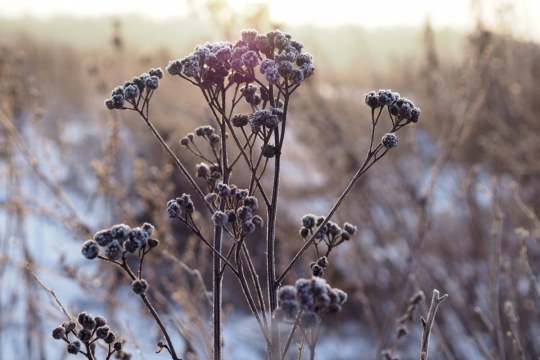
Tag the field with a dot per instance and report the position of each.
(453, 207)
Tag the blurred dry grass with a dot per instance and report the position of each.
(453, 208)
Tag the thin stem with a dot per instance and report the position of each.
(271, 233)
(290, 336)
(50, 291)
(211, 247)
(218, 240)
(428, 323)
(153, 311)
(176, 160)
(256, 281)
(371, 158)
(249, 297)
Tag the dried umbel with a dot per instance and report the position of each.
(330, 234)
(83, 335)
(279, 58)
(132, 92)
(402, 109)
(117, 241)
(310, 299)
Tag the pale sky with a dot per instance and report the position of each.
(369, 13)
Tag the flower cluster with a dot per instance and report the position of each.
(182, 207)
(88, 330)
(401, 108)
(133, 91)
(205, 132)
(310, 299)
(331, 233)
(240, 208)
(318, 267)
(278, 56)
(115, 242)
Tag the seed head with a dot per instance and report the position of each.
(317, 270)
(152, 243)
(390, 140)
(203, 170)
(157, 72)
(304, 232)
(387, 97)
(139, 286)
(148, 229)
(323, 262)
(219, 218)
(117, 346)
(372, 100)
(349, 228)
(309, 221)
(257, 221)
(248, 226)
(269, 151)
(90, 249)
(174, 67)
(114, 250)
(415, 114)
(69, 325)
(58, 333)
(85, 335)
(120, 232)
(239, 120)
(100, 321)
(74, 347)
(102, 332)
(110, 338)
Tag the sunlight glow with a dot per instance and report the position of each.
(456, 14)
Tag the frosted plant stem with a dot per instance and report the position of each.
(176, 161)
(371, 158)
(428, 323)
(153, 311)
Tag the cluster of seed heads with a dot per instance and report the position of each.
(120, 239)
(87, 331)
(239, 208)
(133, 91)
(401, 108)
(206, 132)
(318, 267)
(310, 299)
(180, 208)
(402, 112)
(279, 58)
(331, 233)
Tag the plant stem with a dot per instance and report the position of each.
(153, 312)
(428, 324)
(371, 158)
(218, 240)
(176, 160)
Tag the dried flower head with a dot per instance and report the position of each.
(372, 100)
(59, 333)
(74, 347)
(390, 140)
(139, 286)
(90, 249)
(220, 218)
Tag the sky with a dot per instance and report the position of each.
(368, 13)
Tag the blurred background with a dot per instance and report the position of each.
(453, 208)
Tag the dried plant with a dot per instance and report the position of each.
(258, 74)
